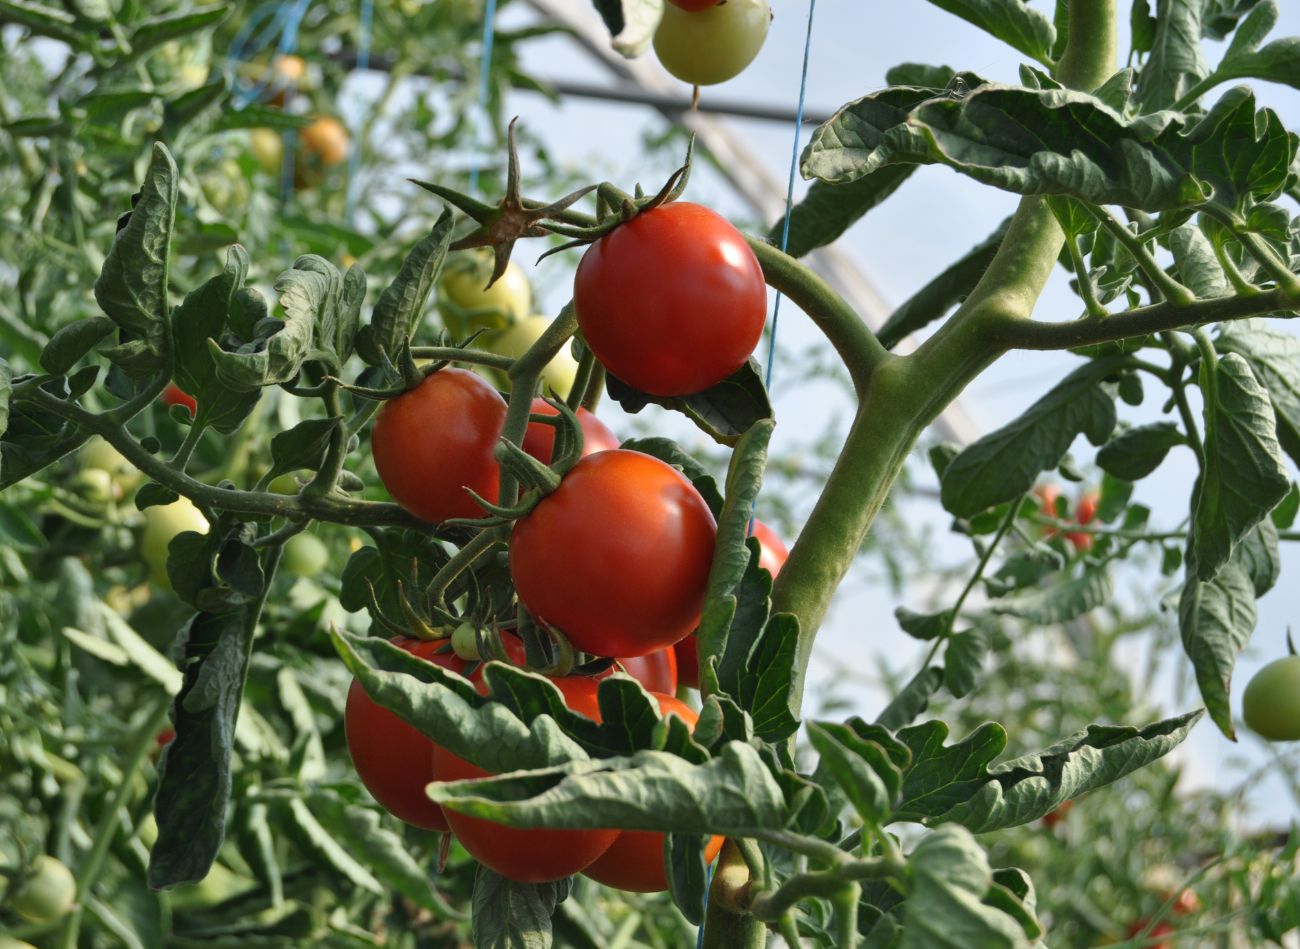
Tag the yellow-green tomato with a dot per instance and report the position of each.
(1271, 703)
(46, 893)
(97, 453)
(162, 522)
(559, 373)
(305, 555)
(473, 305)
(714, 44)
(95, 485)
(286, 483)
(268, 148)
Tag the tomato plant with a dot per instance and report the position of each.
(435, 440)
(665, 541)
(711, 43)
(526, 855)
(1271, 702)
(672, 301)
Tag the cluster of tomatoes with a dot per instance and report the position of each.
(1084, 512)
(321, 145)
(705, 42)
(616, 557)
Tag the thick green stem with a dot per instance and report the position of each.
(899, 397)
(1169, 288)
(727, 923)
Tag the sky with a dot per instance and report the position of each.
(933, 219)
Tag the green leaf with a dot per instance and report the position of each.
(724, 411)
(1274, 356)
(960, 784)
(942, 293)
(1064, 599)
(132, 286)
(510, 915)
(949, 879)
(206, 313)
(688, 876)
(731, 555)
(1142, 26)
(1136, 452)
(277, 357)
(1004, 464)
(1216, 618)
(923, 626)
(73, 341)
(159, 29)
(1057, 141)
(1012, 21)
(1284, 514)
(42, 19)
(1176, 61)
(733, 793)
(861, 768)
(397, 313)
(6, 387)
(194, 771)
(1244, 476)
(912, 700)
(1198, 267)
(963, 661)
(303, 446)
(1259, 555)
(1279, 61)
(316, 840)
(920, 74)
(828, 210)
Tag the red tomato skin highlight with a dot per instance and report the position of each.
(175, 395)
(617, 557)
(539, 438)
(635, 861)
(523, 854)
(432, 442)
(673, 301)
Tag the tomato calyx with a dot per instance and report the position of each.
(513, 218)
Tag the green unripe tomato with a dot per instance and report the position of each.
(464, 642)
(1271, 702)
(162, 522)
(268, 148)
(95, 485)
(712, 45)
(47, 893)
(284, 484)
(97, 453)
(305, 555)
(473, 307)
(560, 372)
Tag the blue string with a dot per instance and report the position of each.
(708, 881)
(484, 79)
(363, 63)
(789, 188)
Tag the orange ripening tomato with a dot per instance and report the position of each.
(617, 557)
(1158, 931)
(524, 854)
(393, 758)
(434, 441)
(673, 301)
(175, 395)
(635, 861)
(539, 439)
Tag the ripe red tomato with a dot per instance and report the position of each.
(1055, 817)
(175, 395)
(673, 301)
(1084, 512)
(636, 860)
(1047, 496)
(617, 557)
(694, 6)
(539, 439)
(772, 555)
(657, 671)
(393, 758)
(436, 440)
(527, 855)
(1158, 931)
